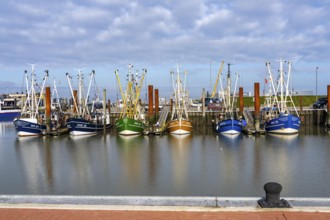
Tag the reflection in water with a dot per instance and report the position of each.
(131, 164)
(287, 138)
(193, 165)
(6, 127)
(34, 153)
(230, 140)
(180, 158)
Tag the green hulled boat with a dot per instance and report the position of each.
(130, 121)
(129, 126)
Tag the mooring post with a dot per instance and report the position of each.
(109, 110)
(74, 99)
(301, 110)
(171, 104)
(48, 109)
(151, 103)
(156, 104)
(241, 102)
(272, 199)
(257, 107)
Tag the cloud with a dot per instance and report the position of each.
(71, 33)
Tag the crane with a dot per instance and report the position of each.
(217, 81)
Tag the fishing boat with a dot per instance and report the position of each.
(278, 117)
(130, 121)
(84, 122)
(179, 123)
(9, 109)
(30, 121)
(229, 122)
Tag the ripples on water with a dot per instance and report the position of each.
(194, 165)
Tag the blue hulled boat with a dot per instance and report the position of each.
(283, 124)
(80, 126)
(85, 121)
(230, 126)
(229, 122)
(278, 118)
(28, 124)
(28, 127)
(9, 110)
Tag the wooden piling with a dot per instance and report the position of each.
(241, 102)
(48, 109)
(156, 104)
(151, 104)
(301, 109)
(257, 106)
(75, 104)
(109, 110)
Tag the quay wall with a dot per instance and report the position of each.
(203, 121)
(210, 201)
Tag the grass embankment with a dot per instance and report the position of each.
(298, 100)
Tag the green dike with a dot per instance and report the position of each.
(305, 100)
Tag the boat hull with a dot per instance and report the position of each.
(28, 127)
(80, 126)
(285, 124)
(180, 127)
(229, 126)
(9, 115)
(129, 126)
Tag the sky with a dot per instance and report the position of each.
(104, 35)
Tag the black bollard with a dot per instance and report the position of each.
(272, 199)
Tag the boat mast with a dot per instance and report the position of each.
(73, 97)
(228, 87)
(185, 96)
(281, 85)
(234, 93)
(89, 87)
(130, 92)
(43, 86)
(175, 99)
(80, 88)
(27, 101)
(179, 92)
(57, 97)
(33, 93)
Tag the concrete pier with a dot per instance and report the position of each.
(134, 207)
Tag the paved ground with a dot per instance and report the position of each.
(72, 212)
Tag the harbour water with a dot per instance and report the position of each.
(195, 165)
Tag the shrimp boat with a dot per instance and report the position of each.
(9, 109)
(179, 123)
(130, 121)
(229, 123)
(277, 115)
(30, 121)
(83, 121)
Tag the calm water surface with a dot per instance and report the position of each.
(195, 165)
